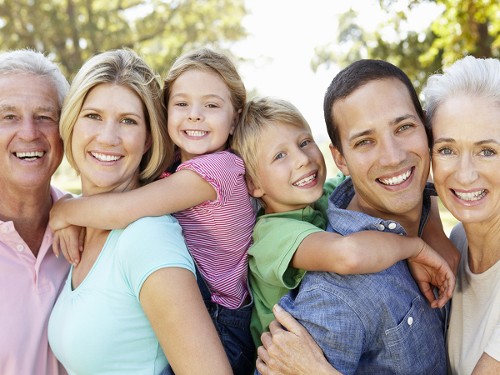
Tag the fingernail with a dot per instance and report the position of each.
(277, 308)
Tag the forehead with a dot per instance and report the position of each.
(28, 91)
(376, 103)
(201, 81)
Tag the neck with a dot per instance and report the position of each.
(483, 241)
(410, 221)
(29, 211)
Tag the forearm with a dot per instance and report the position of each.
(361, 252)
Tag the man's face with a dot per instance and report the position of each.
(30, 145)
(385, 149)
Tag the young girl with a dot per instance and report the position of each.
(204, 96)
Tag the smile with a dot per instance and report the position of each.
(105, 157)
(305, 181)
(195, 133)
(396, 180)
(31, 155)
(471, 196)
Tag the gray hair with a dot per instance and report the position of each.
(470, 76)
(36, 63)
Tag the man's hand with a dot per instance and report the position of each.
(288, 349)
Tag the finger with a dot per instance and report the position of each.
(263, 354)
(262, 367)
(267, 339)
(66, 253)
(287, 320)
(427, 291)
(73, 249)
(81, 238)
(55, 245)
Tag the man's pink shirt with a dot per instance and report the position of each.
(29, 287)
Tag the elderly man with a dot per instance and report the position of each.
(375, 323)
(32, 90)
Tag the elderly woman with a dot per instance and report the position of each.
(463, 109)
(132, 305)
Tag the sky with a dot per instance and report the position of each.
(282, 37)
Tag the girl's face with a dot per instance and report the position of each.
(200, 113)
(109, 139)
(466, 157)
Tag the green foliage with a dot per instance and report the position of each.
(159, 30)
(464, 27)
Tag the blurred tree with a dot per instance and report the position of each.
(463, 27)
(159, 30)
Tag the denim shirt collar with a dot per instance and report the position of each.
(345, 221)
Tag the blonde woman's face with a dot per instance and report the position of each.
(109, 139)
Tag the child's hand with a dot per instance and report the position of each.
(69, 242)
(430, 269)
(56, 218)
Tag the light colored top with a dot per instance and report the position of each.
(219, 232)
(29, 288)
(99, 328)
(475, 312)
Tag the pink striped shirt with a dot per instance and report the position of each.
(218, 233)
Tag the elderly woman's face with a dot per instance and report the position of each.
(109, 139)
(466, 157)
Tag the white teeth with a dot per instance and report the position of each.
(104, 157)
(473, 196)
(196, 133)
(305, 181)
(31, 155)
(396, 180)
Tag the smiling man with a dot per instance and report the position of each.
(380, 322)
(31, 96)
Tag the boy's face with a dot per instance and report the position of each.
(291, 170)
(385, 149)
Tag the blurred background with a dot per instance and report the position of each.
(286, 48)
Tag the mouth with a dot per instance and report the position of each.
(195, 133)
(470, 196)
(29, 155)
(105, 157)
(305, 181)
(396, 180)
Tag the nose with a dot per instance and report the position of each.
(195, 114)
(29, 129)
(301, 159)
(109, 133)
(392, 153)
(466, 173)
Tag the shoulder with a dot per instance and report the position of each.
(458, 237)
(159, 229)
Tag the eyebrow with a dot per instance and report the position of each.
(208, 96)
(9, 107)
(480, 143)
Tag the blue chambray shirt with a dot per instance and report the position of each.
(376, 323)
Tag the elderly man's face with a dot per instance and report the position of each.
(30, 145)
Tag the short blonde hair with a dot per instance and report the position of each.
(258, 115)
(125, 68)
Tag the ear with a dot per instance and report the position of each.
(339, 160)
(253, 188)
(236, 118)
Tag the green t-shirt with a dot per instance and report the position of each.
(276, 238)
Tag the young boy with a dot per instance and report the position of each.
(286, 171)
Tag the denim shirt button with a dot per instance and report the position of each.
(410, 321)
(392, 226)
(380, 227)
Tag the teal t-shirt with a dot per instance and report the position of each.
(276, 238)
(100, 328)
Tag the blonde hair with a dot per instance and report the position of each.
(125, 68)
(258, 115)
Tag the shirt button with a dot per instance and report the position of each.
(392, 226)
(20, 247)
(410, 321)
(380, 227)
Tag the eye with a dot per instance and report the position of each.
(404, 127)
(180, 104)
(212, 105)
(129, 121)
(93, 116)
(305, 142)
(279, 155)
(363, 142)
(487, 152)
(444, 151)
